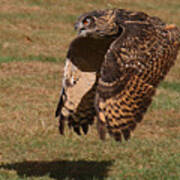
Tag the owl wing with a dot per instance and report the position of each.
(134, 65)
(76, 102)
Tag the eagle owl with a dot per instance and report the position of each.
(112, 70)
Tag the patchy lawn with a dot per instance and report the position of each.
(34, 38)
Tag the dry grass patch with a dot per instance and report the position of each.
(27, 90)
(29, 68)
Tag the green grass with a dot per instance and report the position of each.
(30, 58)
(35, 35)
(168, 96)
(166, 101)
(174, 86)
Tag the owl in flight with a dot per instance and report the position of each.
(112, 70)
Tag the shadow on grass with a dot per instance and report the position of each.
(64, 169)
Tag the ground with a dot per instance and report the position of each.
(34, 37)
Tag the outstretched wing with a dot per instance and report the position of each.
(76, 103)
(134, 65)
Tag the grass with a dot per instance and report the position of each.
(34, 37)
(30, 58)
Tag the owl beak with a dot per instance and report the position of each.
(79, 27)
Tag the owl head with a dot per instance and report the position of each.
(98, 24)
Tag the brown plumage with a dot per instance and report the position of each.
(113, 68)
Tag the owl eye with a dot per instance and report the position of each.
(87, 21)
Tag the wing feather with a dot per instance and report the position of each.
(76, 103)
(134, 65)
